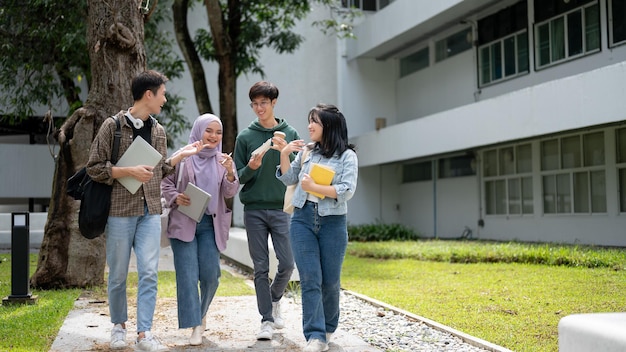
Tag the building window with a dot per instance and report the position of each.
(504, 58)
(366, 5)
(573, 174)
(621, 167)
(507, 174)
(503, 44)
(415, 62)
(617, 21)
(457, 166)
(415, 172)
(572, 32)
(454, 44)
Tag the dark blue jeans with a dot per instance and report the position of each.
(319, 246)
(196, 261)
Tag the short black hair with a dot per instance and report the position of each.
(147, 80)
(263, 89)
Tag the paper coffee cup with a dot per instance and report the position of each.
(280, 134)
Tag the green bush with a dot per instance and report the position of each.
(381, 232)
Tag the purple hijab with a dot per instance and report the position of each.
(206, 162)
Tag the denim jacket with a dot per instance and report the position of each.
(345, 179)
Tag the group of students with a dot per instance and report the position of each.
(314, 237)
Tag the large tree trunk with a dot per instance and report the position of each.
(225, 43)
(196, 70)
(116, 50)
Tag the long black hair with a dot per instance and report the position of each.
(335, 130)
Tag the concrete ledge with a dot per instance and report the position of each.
(237, 250)
(593, 332)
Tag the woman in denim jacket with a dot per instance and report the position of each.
(319, 233)
(197, 246)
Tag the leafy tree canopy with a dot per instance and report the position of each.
(45, 58)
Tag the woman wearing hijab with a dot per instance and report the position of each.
(197, 245)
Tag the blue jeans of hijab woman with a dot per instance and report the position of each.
(143, 234)
(196, 261)
(319, 246)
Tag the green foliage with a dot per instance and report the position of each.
(494, 252)
(261, 24)
(158, 45)
(381, 232)
(340, 22)
(45, 59)
(254, 26)
(42, 43)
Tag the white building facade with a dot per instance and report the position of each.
(505, 117)
(502, 117)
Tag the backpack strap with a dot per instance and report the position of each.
(116, 141)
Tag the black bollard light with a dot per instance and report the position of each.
(20, 261)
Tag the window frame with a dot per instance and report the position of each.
(503, 170)
(564, 17)
(611, 24)
(404, 62)
(563, 176)
(503, 63)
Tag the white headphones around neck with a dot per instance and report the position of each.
(138, 123)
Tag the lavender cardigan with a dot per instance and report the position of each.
(182, 227)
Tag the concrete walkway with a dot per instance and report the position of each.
(232, 324)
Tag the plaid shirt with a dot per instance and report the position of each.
(123, 203)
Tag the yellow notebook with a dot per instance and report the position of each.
(322, 175)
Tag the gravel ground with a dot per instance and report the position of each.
(389, 330)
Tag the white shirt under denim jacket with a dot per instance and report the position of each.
(346, 168)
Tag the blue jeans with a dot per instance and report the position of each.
(143, 234)
(196, 261)
(259, 224)
(319, 246)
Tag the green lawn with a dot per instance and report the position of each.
(509, 294)
(514, 305)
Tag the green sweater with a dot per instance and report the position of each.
(261, 189)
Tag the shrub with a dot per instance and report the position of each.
(381, 232)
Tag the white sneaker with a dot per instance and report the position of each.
(315, 345)
(196, 335)
(118, 337)
(329, 335)
(266, 331)
(150, 343)
(279, 323)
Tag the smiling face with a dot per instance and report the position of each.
(212, 135)
(315, 128)
(263, 107)
(157, 100)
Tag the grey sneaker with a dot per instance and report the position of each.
(279, 323)
(118, 337)
(315, 345)
(150, 343)
(266, 331)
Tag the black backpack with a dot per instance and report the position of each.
(95, 197)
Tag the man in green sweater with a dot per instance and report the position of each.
(262, 196)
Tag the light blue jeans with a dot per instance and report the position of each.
(259, 225)
(196, 261)
(143, 234)
(319, 246)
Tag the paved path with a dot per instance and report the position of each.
(232, 324)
